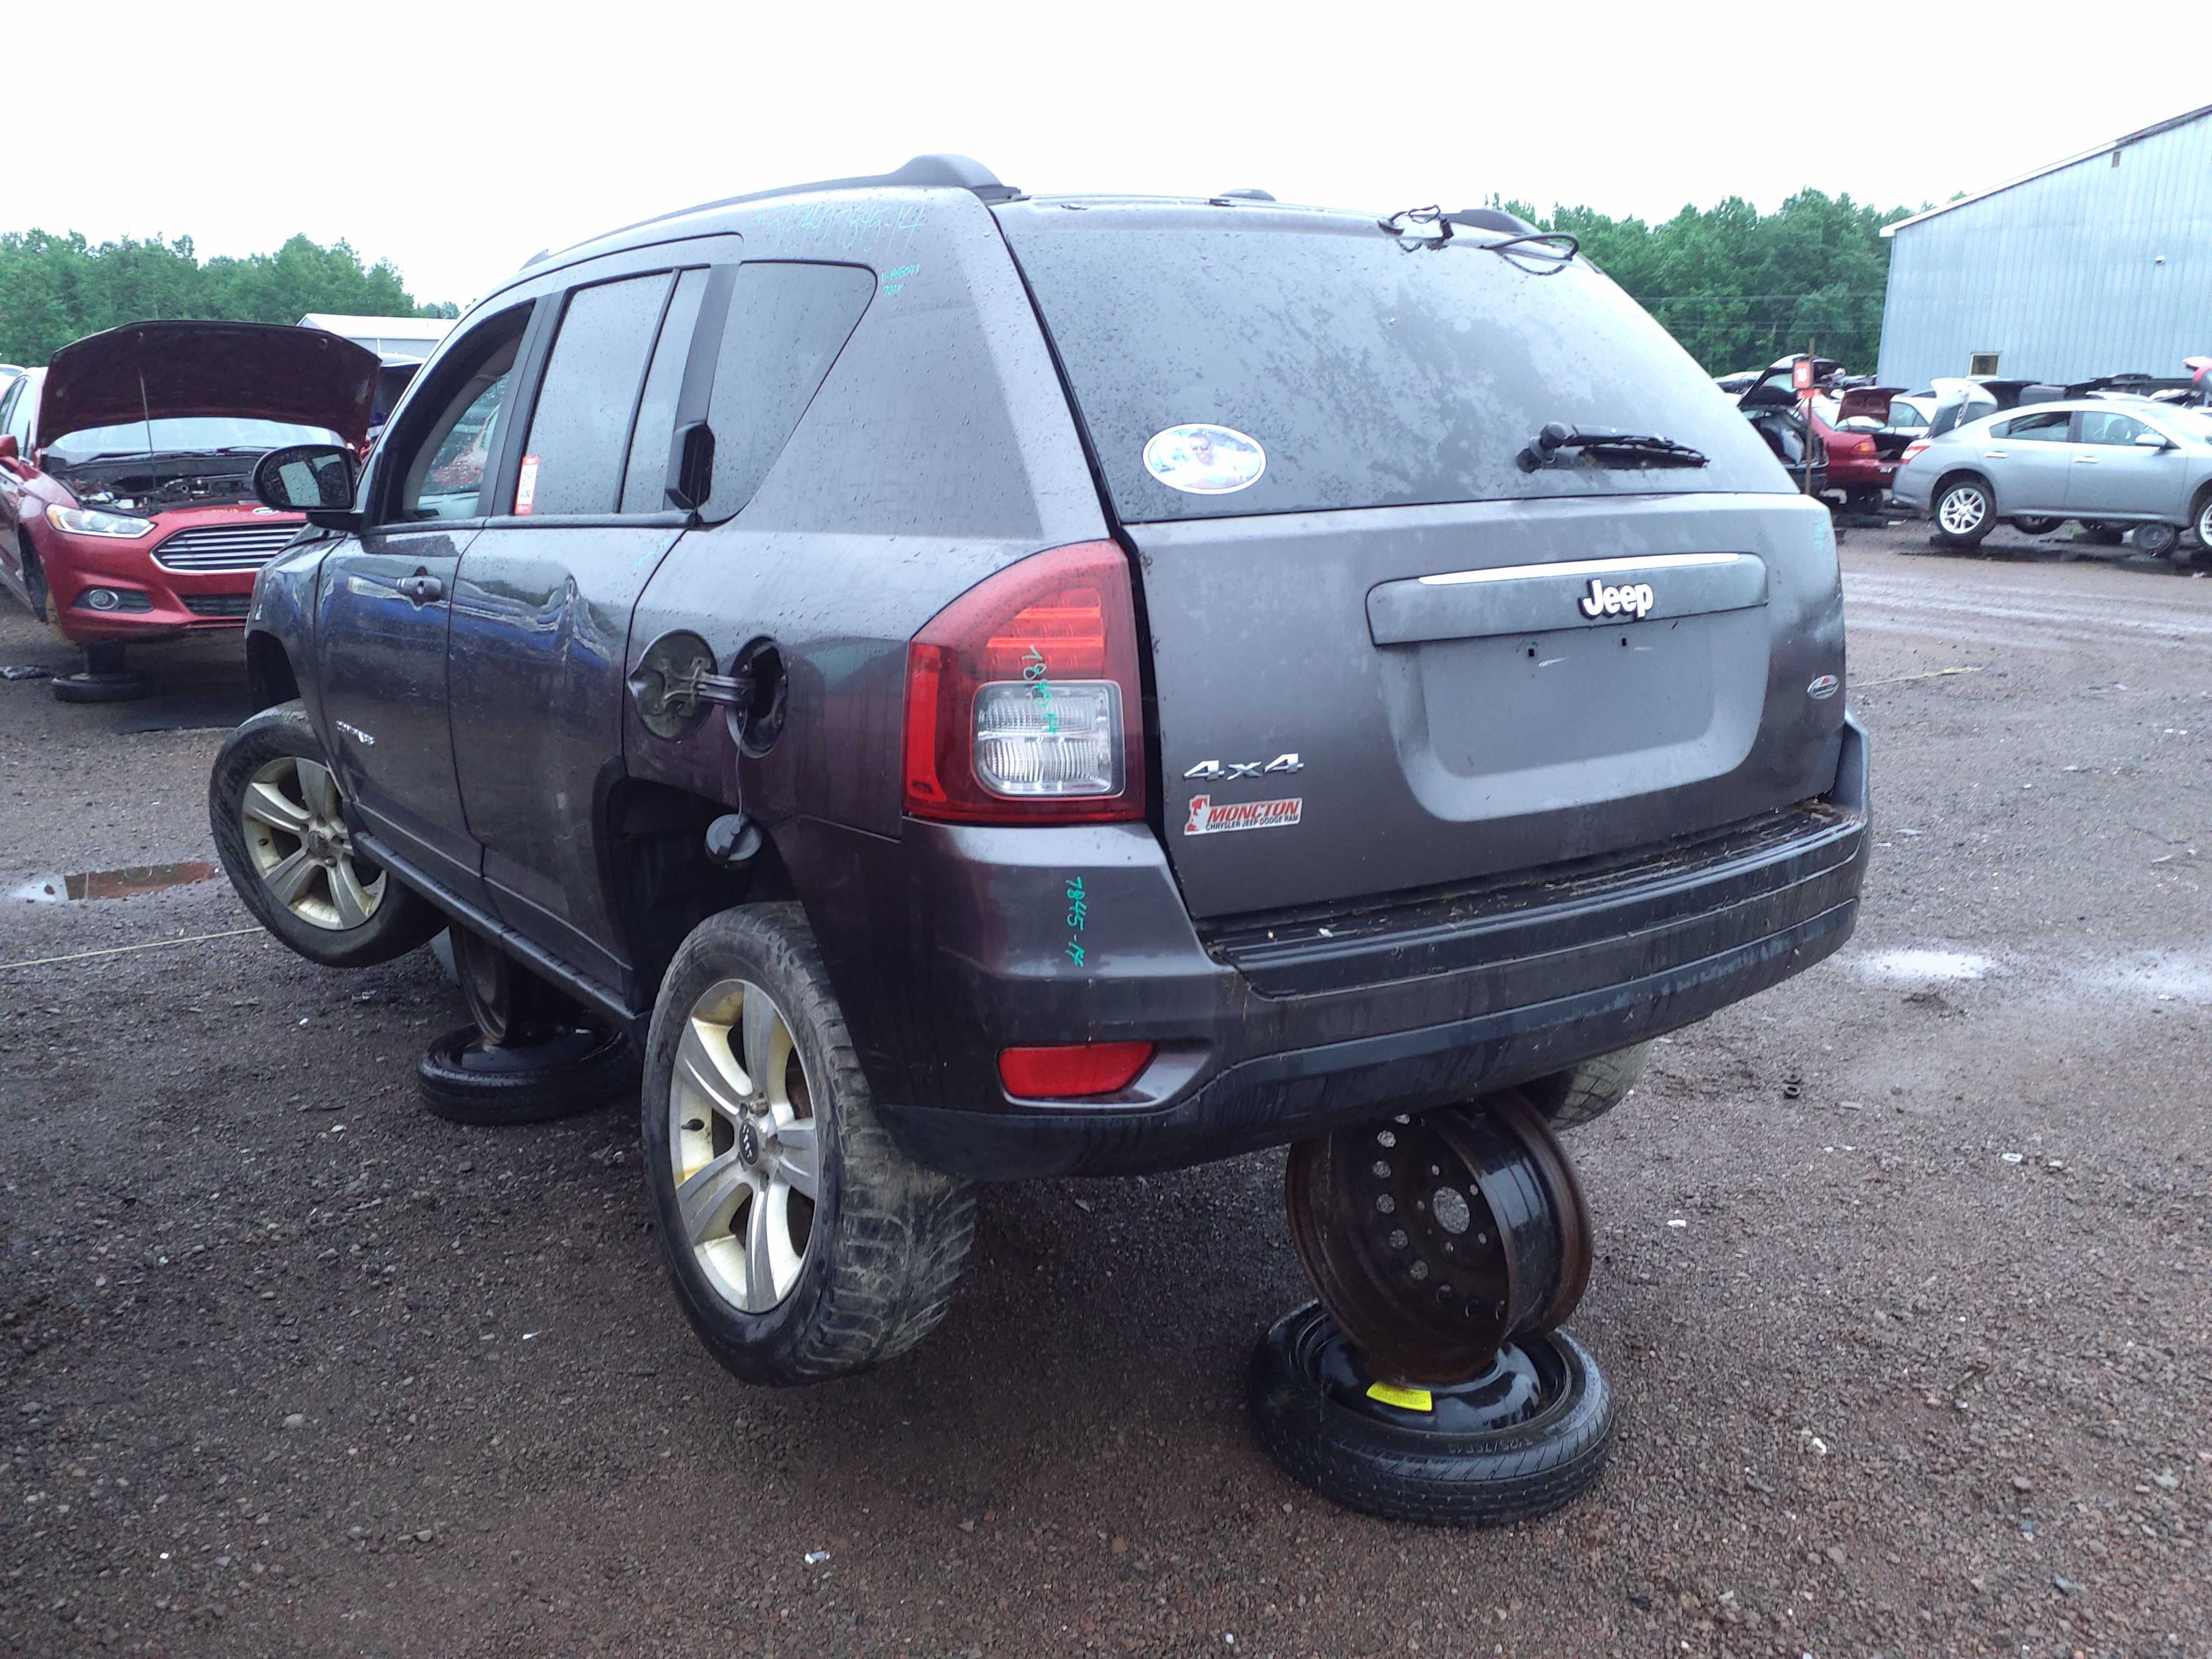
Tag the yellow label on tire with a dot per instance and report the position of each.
(1411, 1400)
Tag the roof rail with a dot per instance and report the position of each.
(932, 171)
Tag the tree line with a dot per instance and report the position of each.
(1740, 288)
(54, 290)
(1736, 287)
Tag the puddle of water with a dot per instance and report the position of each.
(1921, 967)
(2150, 978)
(114, 884)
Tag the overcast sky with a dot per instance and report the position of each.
(456, 140)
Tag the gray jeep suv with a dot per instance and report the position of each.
(973, 685)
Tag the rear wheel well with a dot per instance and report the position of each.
(269, 676)
(659, 881)
(34, 574)
(1964, 475)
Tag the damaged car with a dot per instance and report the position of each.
(127, 513)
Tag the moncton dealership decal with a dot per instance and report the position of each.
(1208, 819)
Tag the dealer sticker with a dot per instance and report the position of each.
(525, 487)
(1208, 819)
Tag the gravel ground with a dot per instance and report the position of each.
(1903, 1279)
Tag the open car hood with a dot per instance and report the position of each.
(248, 371)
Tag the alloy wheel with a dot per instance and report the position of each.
(741, 1137)
(1963, 510)
(295, 824)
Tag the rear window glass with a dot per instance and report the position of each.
(580, 431)
(1367, 375)
(787, 324)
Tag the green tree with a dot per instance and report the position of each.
(1740, 288)
(54, 290)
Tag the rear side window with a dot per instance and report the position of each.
(2048, 426)
(580, 431)
(1366, 374)
(787, 324)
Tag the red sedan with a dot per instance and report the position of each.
(127, 512)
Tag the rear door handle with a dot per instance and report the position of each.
(421, 587)
(2085, 460)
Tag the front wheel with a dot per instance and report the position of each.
(1963, 513)
(803, 1244)
(280, 830)
(2204, 527)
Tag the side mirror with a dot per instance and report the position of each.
(317, 479)
(2143, 441)
(9, 449)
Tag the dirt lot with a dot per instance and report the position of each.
(1903, 1280)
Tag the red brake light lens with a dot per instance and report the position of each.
(1070, 1070)
(1022, 700)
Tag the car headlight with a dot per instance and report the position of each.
(88, 521)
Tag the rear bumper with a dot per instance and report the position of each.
(1271, 1033)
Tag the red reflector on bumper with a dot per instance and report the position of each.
(1071, 1070)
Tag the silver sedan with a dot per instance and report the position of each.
(2113, 463)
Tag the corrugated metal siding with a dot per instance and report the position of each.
(2060, 275)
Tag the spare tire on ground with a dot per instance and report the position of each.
(576, 1067)
(1529, 1435)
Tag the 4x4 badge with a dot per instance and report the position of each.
(1212, 771)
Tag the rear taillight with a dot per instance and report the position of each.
(1912, 449)
(1022, 703)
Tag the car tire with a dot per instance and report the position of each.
(884, 1238)
(345, 913)
(2203, 520)
(2104, 532)
(1383, 1462)
(2156, 540)
(1963, 512)
(2035, 526)
(1584, 1093)
(577, 1067)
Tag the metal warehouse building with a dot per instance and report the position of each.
(2098, 265)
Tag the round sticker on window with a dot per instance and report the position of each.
(1205, 460)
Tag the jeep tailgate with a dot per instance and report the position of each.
(1452, 710)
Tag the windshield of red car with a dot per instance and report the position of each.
(193, 436)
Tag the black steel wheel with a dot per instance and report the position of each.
(570, 1069)
(2035, 526)
(2156, 540)
(1529, 1434)
(1434, 1239)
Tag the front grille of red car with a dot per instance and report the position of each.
(217, 604)
(224, 546)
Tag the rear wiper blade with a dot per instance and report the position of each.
(1647, 448)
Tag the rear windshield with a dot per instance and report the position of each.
(1365, 375)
